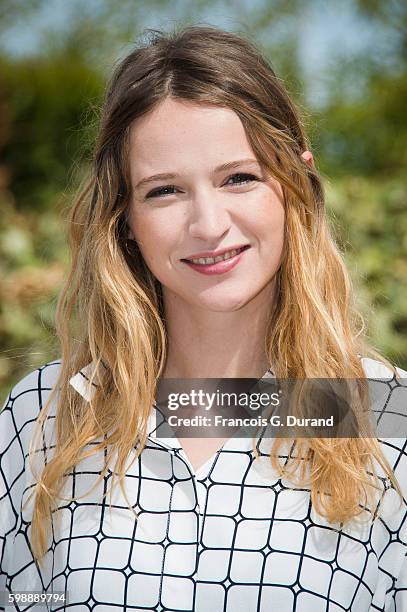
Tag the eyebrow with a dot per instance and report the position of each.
(221, 168)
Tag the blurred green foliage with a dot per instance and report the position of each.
(46, 104)
(48, 108)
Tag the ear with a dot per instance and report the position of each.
(307, 156)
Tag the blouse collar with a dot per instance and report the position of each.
(82, 384)
(81, 380)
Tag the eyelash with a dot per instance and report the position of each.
(248, 178)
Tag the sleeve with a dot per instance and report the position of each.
(18, 568)
(11, 482)
(398, 595)
(393, 561)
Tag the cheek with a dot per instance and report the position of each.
(153, 235)
(267, 220)
(277, 223)
(277, 233)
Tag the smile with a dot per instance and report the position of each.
(212, 260)
(217, 265)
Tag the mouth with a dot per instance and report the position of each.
(205, 261)
(217, 265)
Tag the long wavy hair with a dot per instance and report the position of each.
(110, 311)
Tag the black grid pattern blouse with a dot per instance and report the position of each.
(230, 536)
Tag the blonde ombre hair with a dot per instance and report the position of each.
(110, 311)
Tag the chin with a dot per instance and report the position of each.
(225, 304)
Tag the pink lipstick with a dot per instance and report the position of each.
(219, 267)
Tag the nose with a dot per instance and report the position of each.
(209, 218)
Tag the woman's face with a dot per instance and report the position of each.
(212, 196)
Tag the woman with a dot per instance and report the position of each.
(201, 155)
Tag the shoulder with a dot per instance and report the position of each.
(388, 399)
(25, 401)
(18, 417)
(29, 394)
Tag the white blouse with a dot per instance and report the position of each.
(231, 536)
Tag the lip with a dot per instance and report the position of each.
(215, 253)
(217, 268)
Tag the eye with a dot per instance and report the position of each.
(161, 191)
(244, 178)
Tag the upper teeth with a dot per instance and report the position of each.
(211, 260)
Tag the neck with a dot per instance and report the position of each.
(203, 343)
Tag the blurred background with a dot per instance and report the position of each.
(345, 65)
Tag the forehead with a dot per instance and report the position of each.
(182, 133)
